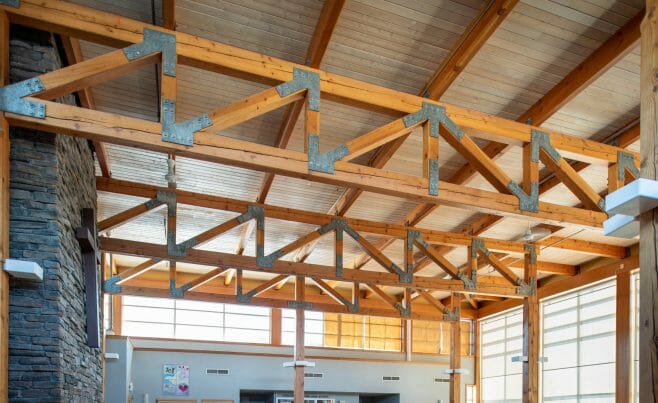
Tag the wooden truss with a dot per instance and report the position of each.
(27, 105)
(416, 241)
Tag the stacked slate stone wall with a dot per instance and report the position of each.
(51, 180)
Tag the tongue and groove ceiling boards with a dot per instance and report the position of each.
(510, 56)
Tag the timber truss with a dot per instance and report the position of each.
(29, 104)
(418, 244)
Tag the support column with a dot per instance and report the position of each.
(623, 339)
(4, 215)
(455, 352)
(649, 221)
(299, 339)
(531, 334)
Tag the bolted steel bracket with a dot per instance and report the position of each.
(178, 292)
(352, 307)
(477, 244)
(452, 315)
(527, 202)
(433, 177)
(268, 261)
(541, 140)
(303, 80)
(323, 162)
(626, 162)
(531, 250)
(155, 41)
(529, 288)
(297, 304)
(110, 285)
(405, 311)
(180, 133)
(11, 98)
(431, 113)
(412, 236)
(470, 283)
(11, 3)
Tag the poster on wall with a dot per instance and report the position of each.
(176, 380)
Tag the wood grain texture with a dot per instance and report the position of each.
(649, 220)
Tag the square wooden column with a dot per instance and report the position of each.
(455, 352)
(531, 333)
(649, 221)
(623, 338)
(4, 215)
(299, 339)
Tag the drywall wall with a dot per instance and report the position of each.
(345, 374)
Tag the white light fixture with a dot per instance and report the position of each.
(625, 205)
(112, 356)
(23, 269)
(294, 364)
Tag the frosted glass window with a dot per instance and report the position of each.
(501, 338)
(194, 320)
(578, 335)
(635, 336)
(344, 331)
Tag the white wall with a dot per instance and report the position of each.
(343, 373)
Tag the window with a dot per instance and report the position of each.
(194, 320)
(501, 338)
(470, 394)
(579, 343)
(343, 330)
(635, 336)
(107, 312)
(434, 337)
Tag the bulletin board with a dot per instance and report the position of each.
(176, 380)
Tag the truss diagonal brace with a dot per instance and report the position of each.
(155, 41)
(538, 141)
(11, 98)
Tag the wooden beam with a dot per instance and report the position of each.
(301, 216)
(318, 46)
(583, 279)
(103, 126)
(74, 55)
(604, 57)
(455, 352)
(4, 215)
(300, 334)
(593, 67)
(169, 14)
(623, 356)
(137, 270)
(531, 336)
(491, 16)
(649, 220)
(275, 327)
(132, 213)
(156, 284)
(202, 257)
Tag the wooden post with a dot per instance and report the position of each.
(275, 338)
(299, 340)
(4, 215)
(455, 352)
(649, 221)
(623, 339)
(531, 334)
